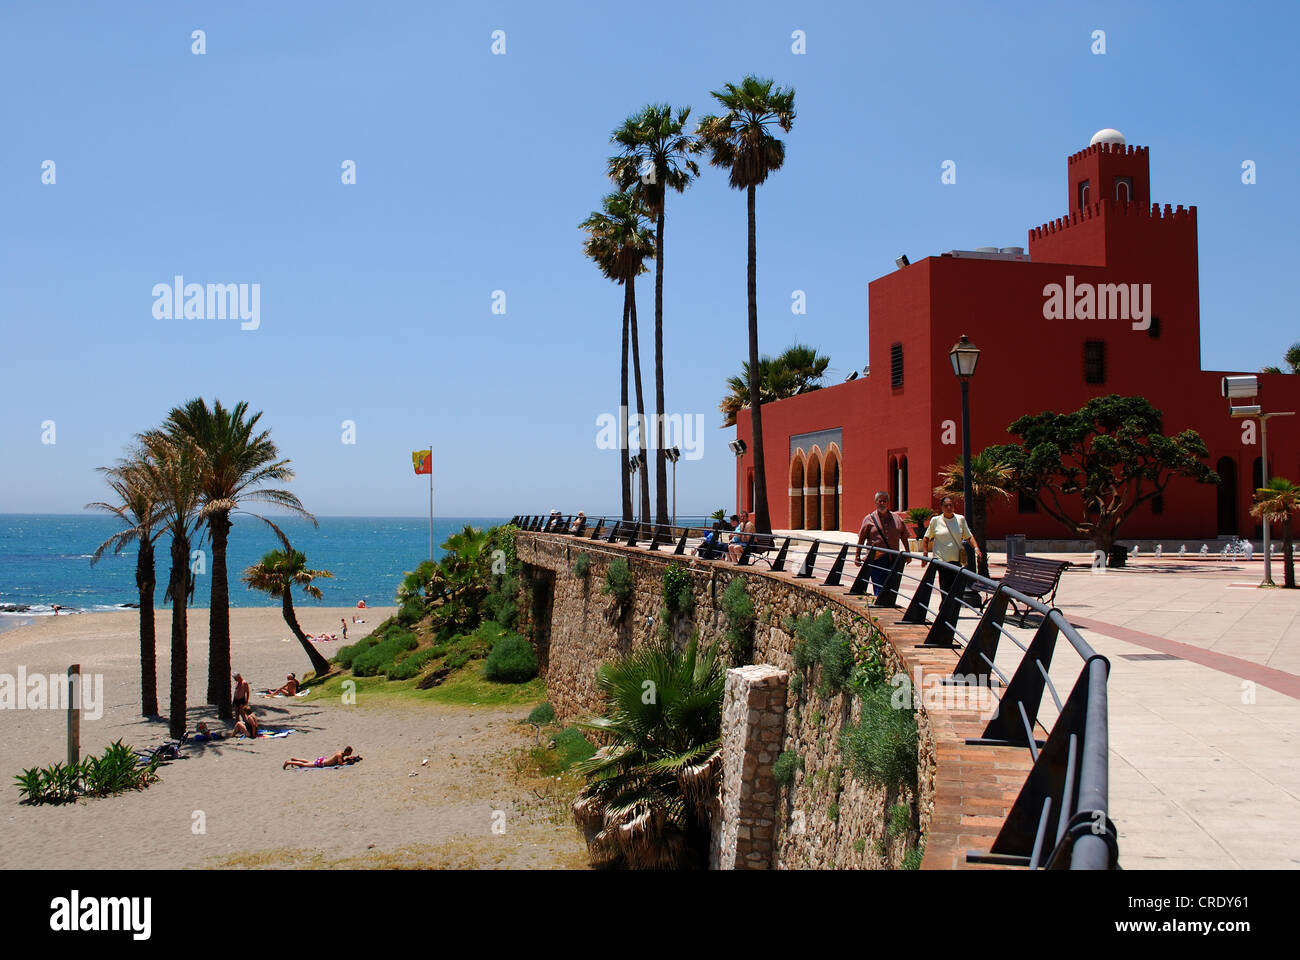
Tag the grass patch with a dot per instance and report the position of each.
(466, 686)
(881, 747)
(786, 766)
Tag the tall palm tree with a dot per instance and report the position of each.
(1278, 501)
(649, 793)
(740, 140)
(137, 507)
(797, 370)
(172, 470)
(655, 151)
(1292, 359)
(990, 477)
(619, 241)
(276, 574)
(239, 460)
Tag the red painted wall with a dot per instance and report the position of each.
(1030, 364)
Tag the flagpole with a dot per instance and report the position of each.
(431, 503)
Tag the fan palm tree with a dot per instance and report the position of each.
(172, 469)
(655, 151)
(649, 795)
(619, 241)
(797, 370)
(238, 462)
(741, 141)
(137, 508)
(276, 574)
(1278, 501)
(990, 478)
(1292, 359)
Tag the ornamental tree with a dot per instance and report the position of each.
(1091, 469)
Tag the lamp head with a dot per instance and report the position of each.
(964, 356)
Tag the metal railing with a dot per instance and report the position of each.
(1060, 818)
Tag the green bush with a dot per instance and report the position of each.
(912, 859)
(785, 767)
(618, 583)
(678, 597)
(900, 819)
(872, 666)
(881, 746)
(413, 663)
(348, 654)
(582, 566)
(819, 643)
(573, 747)
(542, 714)
(381, 657)
(738, 607)
(117, 770)
(512, 660)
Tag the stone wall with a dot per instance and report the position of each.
(825, 817)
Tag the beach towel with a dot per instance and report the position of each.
(271, 734)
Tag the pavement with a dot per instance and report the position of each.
(1204, 700)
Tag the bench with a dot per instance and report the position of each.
(1035, 577)
(757, 547)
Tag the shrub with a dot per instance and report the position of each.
(900, 819)
(348, 654)
(618, 583)
(380, 657)
(542, 714)
(881, 747)
(512, 660)
(819, 643)
(572, 747)
(833, 811)
(582, 566)
(739, 610)
(912, 859)
(859, 845)
(413, 663)
(785, 767)
(678, 597)
(117, 770)
(872, 666)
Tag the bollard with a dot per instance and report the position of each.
(74, 714)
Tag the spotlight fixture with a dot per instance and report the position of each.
(737, 447)
(853, 375)
(902, 261)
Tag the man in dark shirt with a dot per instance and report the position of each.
(881, 528)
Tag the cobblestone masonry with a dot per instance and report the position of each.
(753, 721)
(825, 818)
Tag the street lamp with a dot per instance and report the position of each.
(674, 454)
(1248, 386)
(964, 356)
(738, 448)
(634, 465)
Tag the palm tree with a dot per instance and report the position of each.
(172, 469)
(1278, 501)
(238, 462)
(137, 507)
(740, 140)
(797, 370)
(990, 478)
(1292, 359)
(619, 241)
(276, 574)
(655, 156)
(649, 795)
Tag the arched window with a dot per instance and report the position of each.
(812, 489)
(796, 491)
(1124, 189)
(831, 489)
(1226, 468)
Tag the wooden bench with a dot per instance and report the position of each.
(757, 547)
(1035, 577)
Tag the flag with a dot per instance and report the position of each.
(422, 460)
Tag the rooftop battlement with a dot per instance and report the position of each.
(1115, 208)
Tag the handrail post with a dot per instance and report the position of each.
(920, 605)
(809, 563)
(1023, 696)
(888, 596)
(977, 659)
(833, 578)
(945, 621)
(681, 544)
(595, 534)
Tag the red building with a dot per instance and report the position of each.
(1105, 301)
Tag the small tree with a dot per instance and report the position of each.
(276, 574)
(1278, 501)
(990, 477)
(1091, 469)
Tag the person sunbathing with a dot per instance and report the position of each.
(289, 689)
(203, 733)
(245, 724)
(340, 759)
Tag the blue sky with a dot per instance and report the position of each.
(473, 171)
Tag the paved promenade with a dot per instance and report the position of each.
(1204, 706)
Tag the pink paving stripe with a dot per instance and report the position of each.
(1279, 680)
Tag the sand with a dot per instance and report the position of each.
(229, 804)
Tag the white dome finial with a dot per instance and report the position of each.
(1109, 135)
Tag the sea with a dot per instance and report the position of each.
(45, 561)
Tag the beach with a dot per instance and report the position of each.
(438, 785)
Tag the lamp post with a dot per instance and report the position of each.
(964, 356)
(674, 454)
(1248, 386)
(634, 466)
(738, 448)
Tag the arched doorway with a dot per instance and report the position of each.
(796, 491)
(1227, 471)
(812, 489)
(831, 489)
